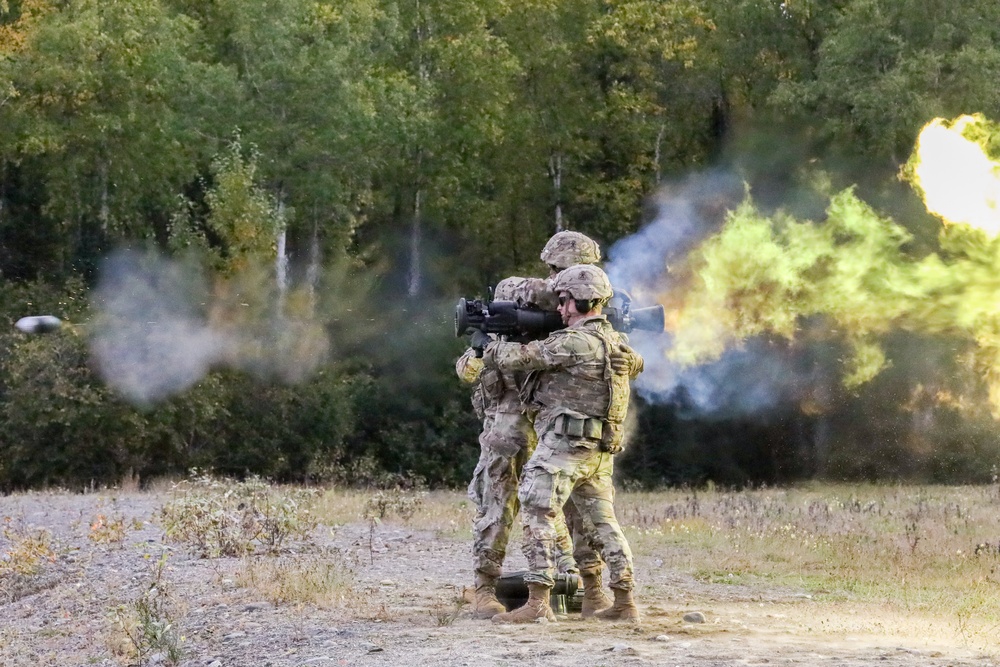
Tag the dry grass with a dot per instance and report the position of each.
(320, 581)
(927, 553)
(447, 513)
(920, 550)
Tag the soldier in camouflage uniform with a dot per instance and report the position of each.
(506, 442)
(579, 385)
(506, 427)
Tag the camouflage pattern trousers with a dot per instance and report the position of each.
(567, 469)
(506, 444)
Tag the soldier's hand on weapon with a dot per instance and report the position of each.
(624, 360)
(479, 340)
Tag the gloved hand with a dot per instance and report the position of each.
(479, 340)
(624, 360)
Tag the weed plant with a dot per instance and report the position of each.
(383, 504)
(144, 631)
(219, 517)
(24, 550)
(26, 553)
(323, 581)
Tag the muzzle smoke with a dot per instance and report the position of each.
(161, 326)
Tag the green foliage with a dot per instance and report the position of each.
(439, 144)
(146, 624)
(883, 69)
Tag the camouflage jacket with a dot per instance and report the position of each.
(571, 372)
(494, 390)
(527, 291)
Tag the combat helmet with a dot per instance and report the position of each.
(506, 289)
(565, 249)
(584, 281)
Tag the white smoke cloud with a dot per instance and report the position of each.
(155, 336)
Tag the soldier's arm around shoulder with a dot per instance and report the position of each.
(626, 361)
(562, 348)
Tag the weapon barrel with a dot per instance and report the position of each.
(512, 591)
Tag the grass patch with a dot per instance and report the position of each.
(915, 549)
(144, 627)
(319, 581)
(219, 517)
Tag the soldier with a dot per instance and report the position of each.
(579, 386)
(507, 441)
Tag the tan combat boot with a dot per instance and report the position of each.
(485, 603)
(536, 608)
(624, 608)
(594, 597)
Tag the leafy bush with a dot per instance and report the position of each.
(218, 517)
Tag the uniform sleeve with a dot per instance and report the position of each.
(638, 363)
(468, 367)
(561, 349)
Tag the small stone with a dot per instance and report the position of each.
(661, 638)
(387, 582)
(694, 617)
(624, 649)
(257, 606)
(214, 663)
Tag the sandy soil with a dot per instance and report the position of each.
(64, 616)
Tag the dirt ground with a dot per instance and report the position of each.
(404, 613)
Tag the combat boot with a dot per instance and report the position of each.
(536, 608)
(594, 597)
(485, 603)
(623, 609)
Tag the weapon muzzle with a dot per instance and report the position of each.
(462, 322)
(647, 319)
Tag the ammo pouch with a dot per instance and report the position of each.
(492, 383)
(578, 428)
(613, 437)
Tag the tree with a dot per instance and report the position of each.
(112, 114)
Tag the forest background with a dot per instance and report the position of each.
(255, 218)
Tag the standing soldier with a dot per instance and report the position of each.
(507, 441)
(579, 385)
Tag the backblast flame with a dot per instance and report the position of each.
(959, 181)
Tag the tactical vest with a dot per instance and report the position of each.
(590, 387)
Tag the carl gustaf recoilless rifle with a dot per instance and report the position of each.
(528, 322)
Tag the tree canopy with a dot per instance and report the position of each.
(343, 170)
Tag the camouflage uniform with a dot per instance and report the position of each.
(581, 404)
(495, 482)
(506, 442)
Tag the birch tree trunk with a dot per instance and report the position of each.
(313, 269)
(414, 277)
(281, 261)
(658, 169)
(555, 172)
(105, 210)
